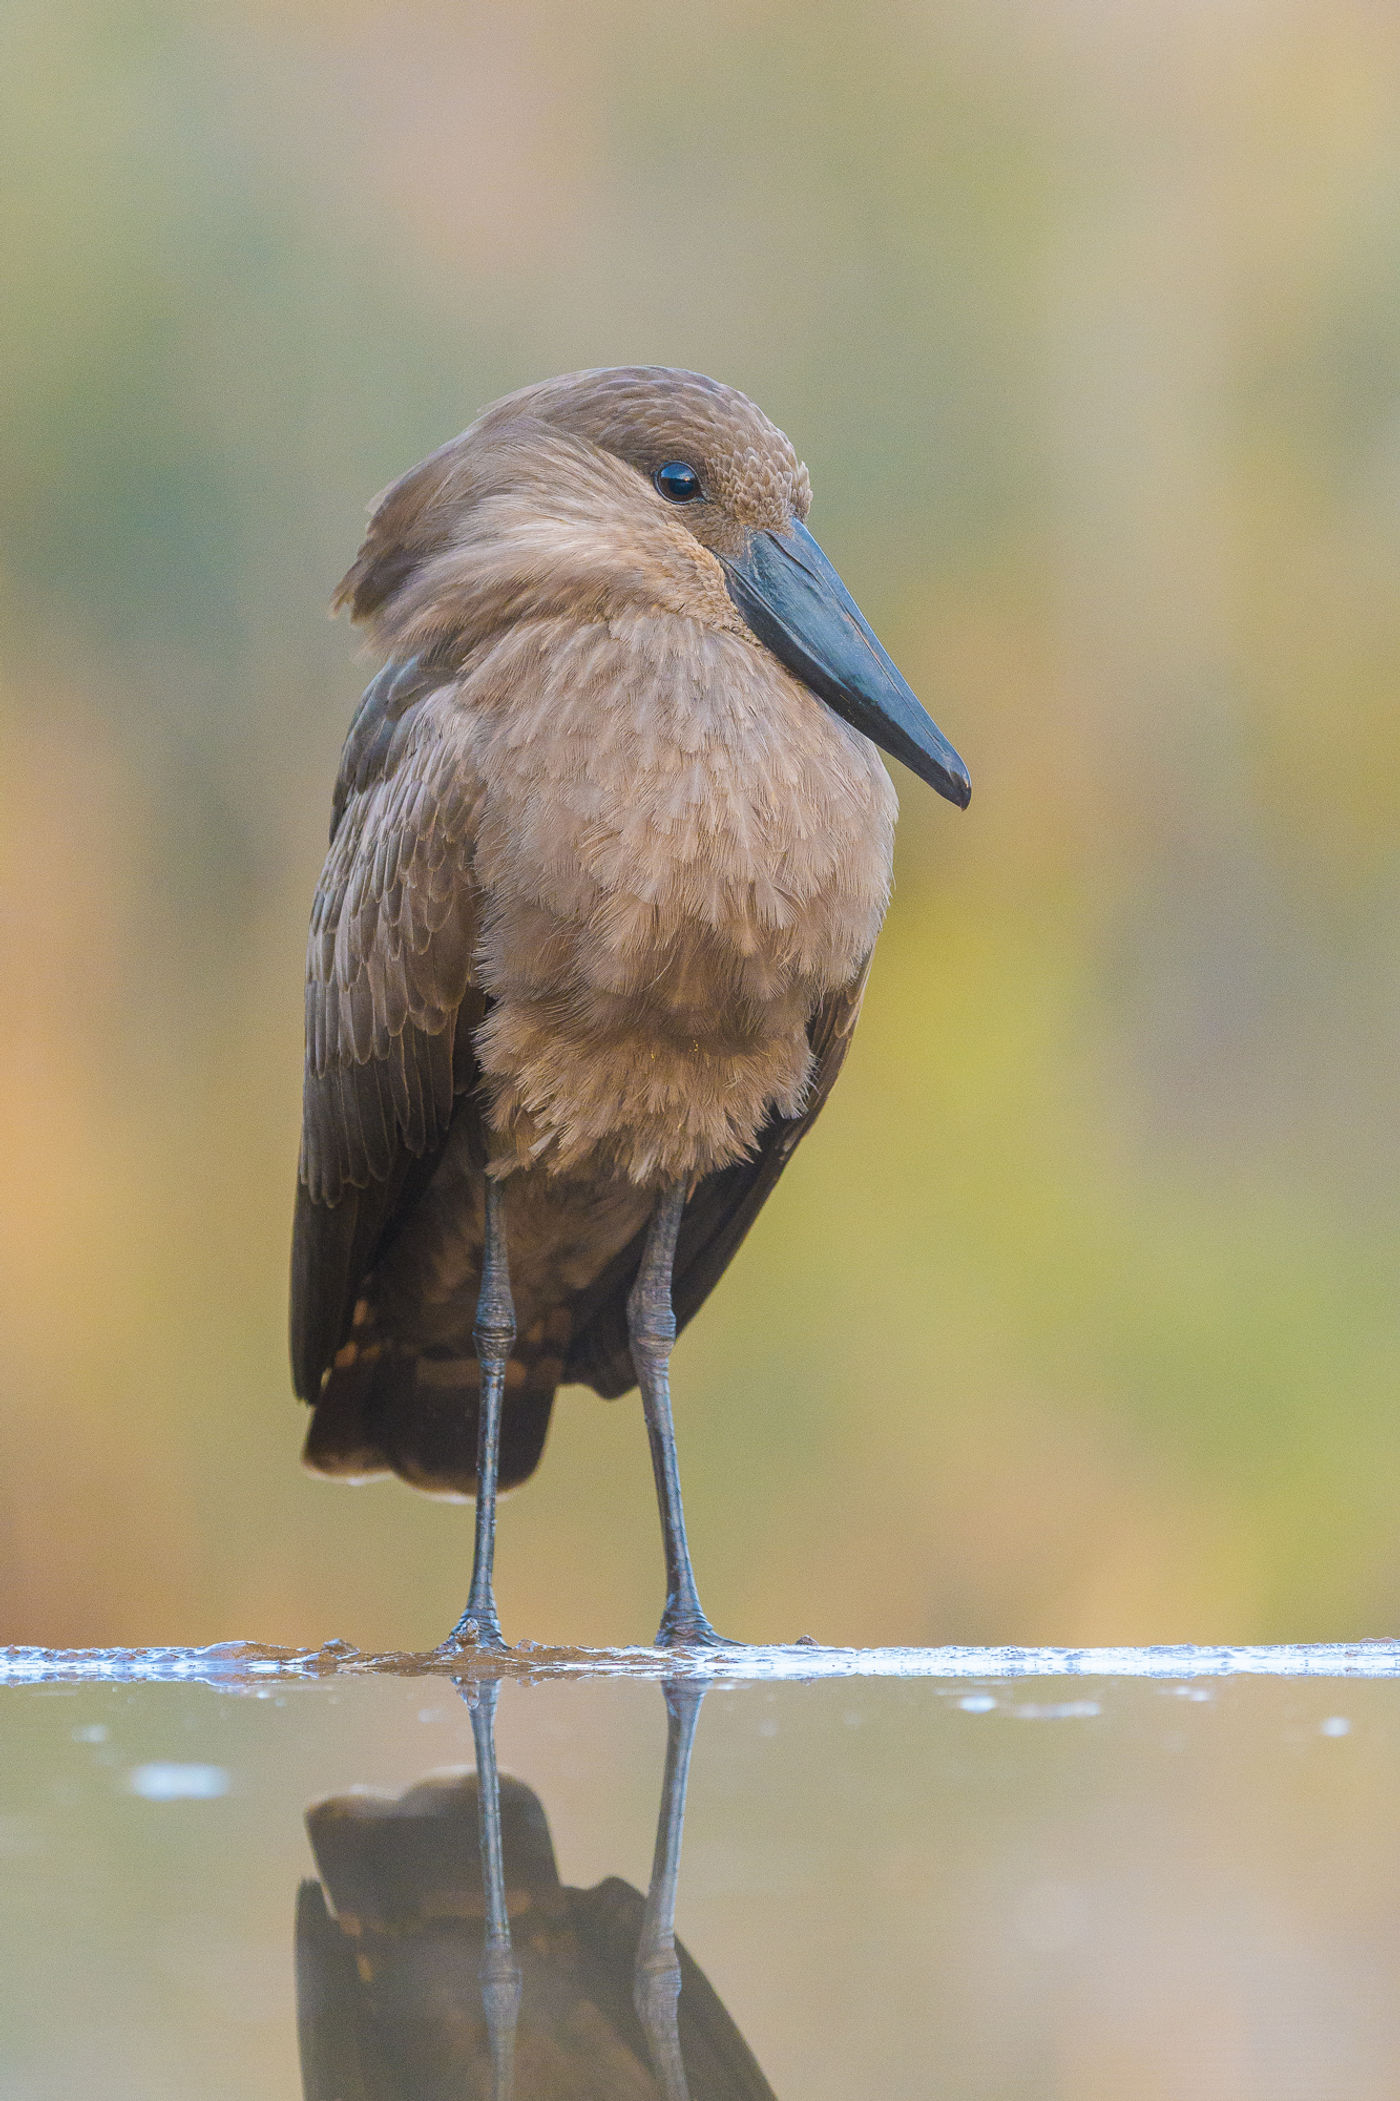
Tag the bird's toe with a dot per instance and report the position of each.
(473, 1632)
(691, 1630)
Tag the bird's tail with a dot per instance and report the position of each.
(387, 1407)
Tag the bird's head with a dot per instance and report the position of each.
(633, 485)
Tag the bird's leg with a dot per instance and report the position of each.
(500, 1972)
(656, 1979)
(494, 1334)
(651, 1329)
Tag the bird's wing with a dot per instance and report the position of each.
(607, 1924)
(334, 2034)
(721, 1209)
(390, 1004)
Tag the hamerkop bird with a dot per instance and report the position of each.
(610, 847)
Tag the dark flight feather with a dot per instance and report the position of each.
(389, 1007)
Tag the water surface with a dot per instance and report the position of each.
(1074, 1883)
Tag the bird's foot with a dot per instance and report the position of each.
(688, 1628)
(475, 1630)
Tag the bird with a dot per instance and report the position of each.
(611, 841)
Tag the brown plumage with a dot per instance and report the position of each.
(603, 883)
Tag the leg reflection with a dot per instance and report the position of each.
(500, 1972)
(657, 1982)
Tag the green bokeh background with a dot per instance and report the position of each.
(1077, 1320)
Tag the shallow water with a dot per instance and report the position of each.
(1149, 1876)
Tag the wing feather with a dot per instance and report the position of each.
(388, 973)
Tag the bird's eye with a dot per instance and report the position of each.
(677, 482)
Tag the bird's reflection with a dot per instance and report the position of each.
(440, 1958)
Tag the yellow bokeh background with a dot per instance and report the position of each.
(1077, 1319)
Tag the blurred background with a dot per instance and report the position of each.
(1077, 1320)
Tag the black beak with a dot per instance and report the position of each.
(798, 606)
